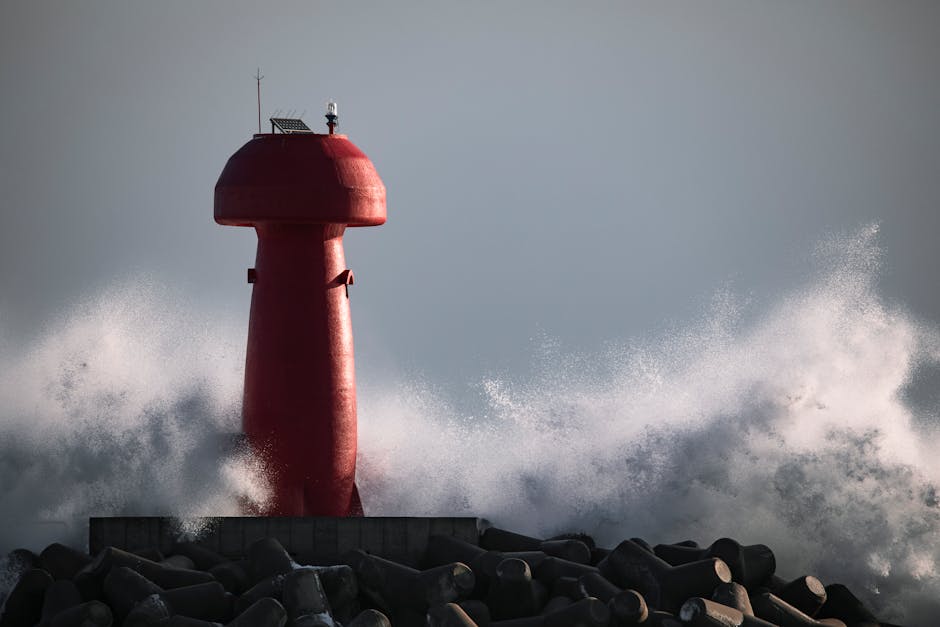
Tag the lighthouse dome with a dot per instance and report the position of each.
(302, 178)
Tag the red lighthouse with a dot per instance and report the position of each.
(300, 190)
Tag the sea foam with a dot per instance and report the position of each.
(786, 423)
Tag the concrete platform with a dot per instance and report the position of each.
(314, 540)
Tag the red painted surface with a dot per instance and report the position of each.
(300, 192)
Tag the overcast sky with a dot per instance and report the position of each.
(591, 171)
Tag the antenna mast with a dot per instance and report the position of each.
(258, 77)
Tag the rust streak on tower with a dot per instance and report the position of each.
(300, 190)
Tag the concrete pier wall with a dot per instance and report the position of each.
(312, 539)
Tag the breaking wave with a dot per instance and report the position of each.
(124, 406)
(788, 427)
(787, 423)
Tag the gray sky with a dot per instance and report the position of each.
(591, 171)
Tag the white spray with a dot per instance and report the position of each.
(788, 430)
(785, 425)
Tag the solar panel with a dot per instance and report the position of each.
(290, 125)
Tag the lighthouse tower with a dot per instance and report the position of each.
(300, 190)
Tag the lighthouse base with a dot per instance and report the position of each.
(321, 540)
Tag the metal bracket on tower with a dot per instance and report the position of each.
(346, 278)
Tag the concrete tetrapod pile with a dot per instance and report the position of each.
(508, 580)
